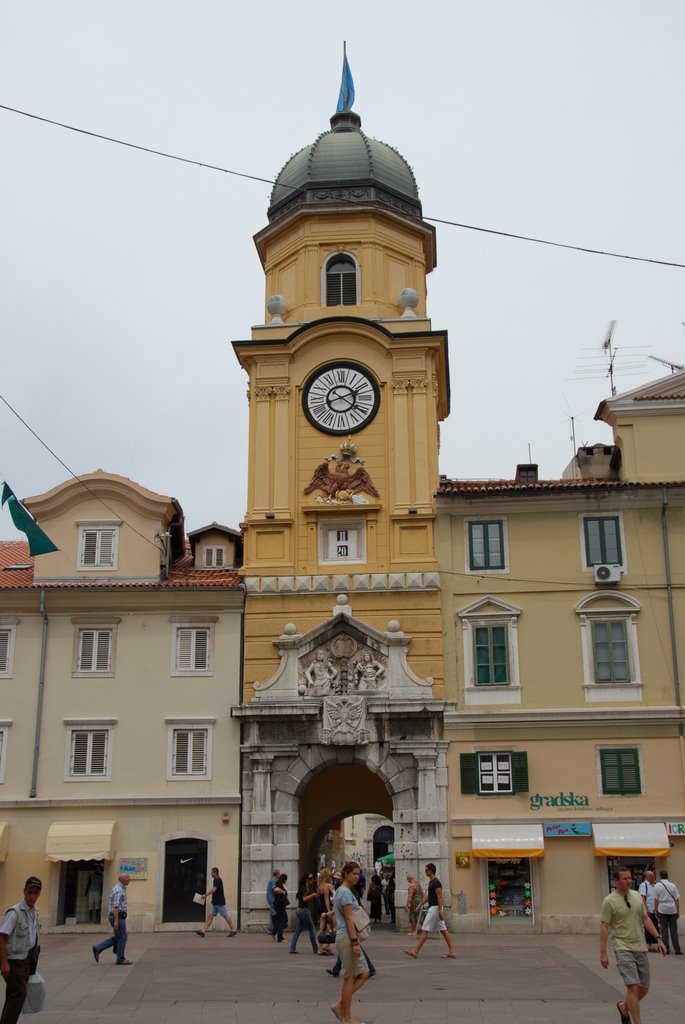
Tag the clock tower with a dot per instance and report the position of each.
(348, 383)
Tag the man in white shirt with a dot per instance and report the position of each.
(646, 890)
(667, 906)
(18, 937)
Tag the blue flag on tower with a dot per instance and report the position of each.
(346, 97)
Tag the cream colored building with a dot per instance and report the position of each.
(119, 661)
(564, 613)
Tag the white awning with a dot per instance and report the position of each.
(507, 841)
(613, 839)
(4, 839)
(80, 840)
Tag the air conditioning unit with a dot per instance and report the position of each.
(607, 574)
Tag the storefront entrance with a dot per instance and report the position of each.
(637, 865)
(185, 873)
(80, 892)
(510, 891)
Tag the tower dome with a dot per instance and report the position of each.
(344, 164)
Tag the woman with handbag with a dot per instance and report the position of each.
(348, 941)
(306, 896)
(281, 901)
(326, 893)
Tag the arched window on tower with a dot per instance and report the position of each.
(341, 281)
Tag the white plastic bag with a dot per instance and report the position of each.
(36, 994)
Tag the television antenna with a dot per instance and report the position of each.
(674, 367)
(612, 353)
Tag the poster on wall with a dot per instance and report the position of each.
(134, 867)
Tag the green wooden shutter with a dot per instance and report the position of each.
(519, 771)
(468, 764)
(620, 771)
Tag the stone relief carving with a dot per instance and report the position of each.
(344, 721)
(343, 668)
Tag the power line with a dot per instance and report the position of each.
(270, 181)
(76, 477)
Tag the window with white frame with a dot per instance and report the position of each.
(189, 752)
(94, 651)
(4, 733)
(490, 652)
(343, 541)
(486, 545)
(494, 772)
(215, 557)
(609, 641)
(602, 544)
(98, 545)
(340, 281)
(7, 638)
(192, 653)
(89, 753)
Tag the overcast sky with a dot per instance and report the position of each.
(124, 277)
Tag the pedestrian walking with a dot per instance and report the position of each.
(624, 916)
(281, 903)
(306, 898)
(19, 930)
(217, 906)
(646, 890)
(414, 902)
(434, 918)
(271, 928)
(667, 904)
(117, 912)
(347, 943)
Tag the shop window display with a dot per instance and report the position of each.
(510, 891)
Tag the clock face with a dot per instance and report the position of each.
(341, 399)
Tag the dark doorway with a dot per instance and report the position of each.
(383, 841)
(185, 873)
(80, 892)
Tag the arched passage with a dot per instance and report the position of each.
(335, 793)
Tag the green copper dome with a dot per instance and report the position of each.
(345, 165)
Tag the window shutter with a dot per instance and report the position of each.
(198, 764)
(87, 647)
(201, 654)
(79, 753)
(4, 650)
(349, 289)
(90, 547)
(620, 771)
(104, 643)
(181, 737)
(519, 771)
(106, 548)
(98, 756)
(468, 764)
(218, 557)
(333, 290)
(184, 643)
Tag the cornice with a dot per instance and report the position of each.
(568, 717)
(124, 801)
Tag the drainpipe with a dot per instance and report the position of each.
(241, 759)
(41, 692)
(671, 623)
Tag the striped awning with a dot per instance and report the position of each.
(496, 841)
(632, 838)
(4, 839)
(80, 840)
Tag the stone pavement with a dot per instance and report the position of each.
(179, 978)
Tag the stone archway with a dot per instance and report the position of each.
(299, 729)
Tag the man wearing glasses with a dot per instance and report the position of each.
(625, 916)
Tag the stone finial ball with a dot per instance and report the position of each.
(290, 629)
(408, 299)
(277, 305)
(341, 599)
(393, 626)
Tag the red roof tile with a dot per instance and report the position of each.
(183, 575)
(489, 487)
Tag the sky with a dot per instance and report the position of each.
(124, 276)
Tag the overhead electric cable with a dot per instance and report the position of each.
(75, 475)
(270, 181)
